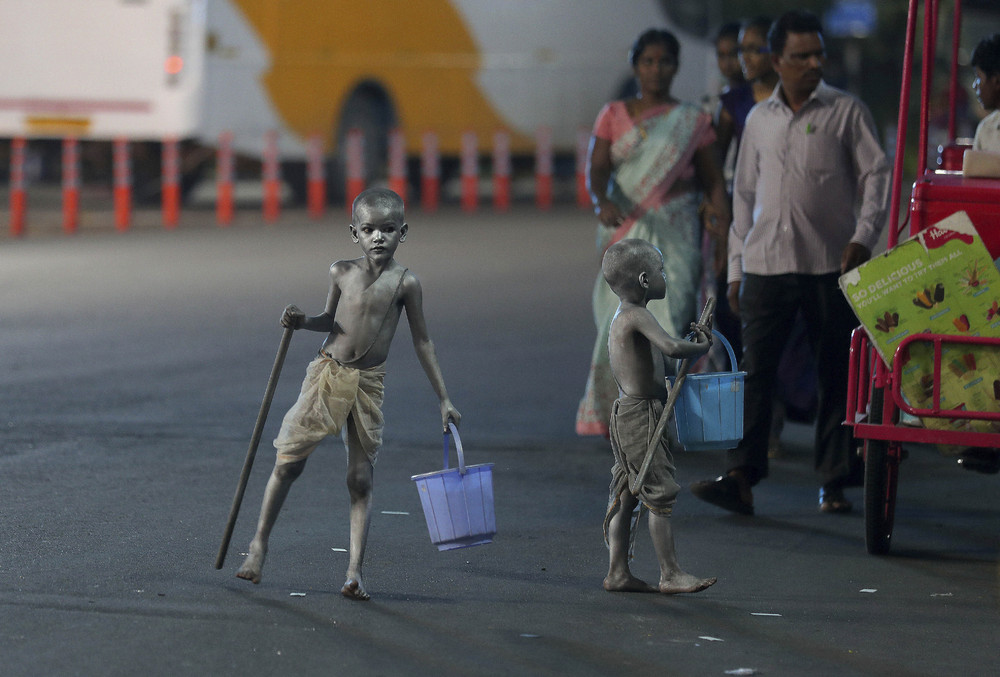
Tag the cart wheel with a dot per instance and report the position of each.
(881, 480)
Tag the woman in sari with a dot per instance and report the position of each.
(651, 160)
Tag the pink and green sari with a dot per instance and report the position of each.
(649, 156)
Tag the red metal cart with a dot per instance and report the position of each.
(874, 399)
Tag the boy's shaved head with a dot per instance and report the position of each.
(625, 259)
(378, 198)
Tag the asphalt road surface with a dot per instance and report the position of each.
(132, 367)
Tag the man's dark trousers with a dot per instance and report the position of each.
(768, 305)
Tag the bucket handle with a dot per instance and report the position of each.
(453, 431)
(729, 348)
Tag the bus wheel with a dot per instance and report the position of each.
(370, 109)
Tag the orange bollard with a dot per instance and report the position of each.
(470, 171)
(315, 176)
(430, 173)
(397, 163)
(272, 178)
(582, 149)
(355, 166)
(18, 195)
(122, 180)
(543, 167)
(501, 170)
(71, 184)
(171, 183)
(224, 180)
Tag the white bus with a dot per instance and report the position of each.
(192, 69)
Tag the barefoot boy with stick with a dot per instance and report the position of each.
(637, 344)
(343, 390)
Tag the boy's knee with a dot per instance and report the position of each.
(289, 471)
(359, 482)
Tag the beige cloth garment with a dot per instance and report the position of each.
(330, 394)
(633, 422)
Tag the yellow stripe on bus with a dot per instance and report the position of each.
(421, 52)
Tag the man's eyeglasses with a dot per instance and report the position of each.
(806, 57)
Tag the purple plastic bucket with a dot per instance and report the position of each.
(458, 502)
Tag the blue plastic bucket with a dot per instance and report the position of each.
(458, 502)
(708, 412)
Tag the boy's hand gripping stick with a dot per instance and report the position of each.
(706, 319)
(258, 429)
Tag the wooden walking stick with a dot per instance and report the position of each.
(661, 424)
(258, 429)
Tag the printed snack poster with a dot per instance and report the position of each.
(941, 281)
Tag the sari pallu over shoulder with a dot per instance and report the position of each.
(650, 157)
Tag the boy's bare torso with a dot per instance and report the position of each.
(367, 312)
(635, 362)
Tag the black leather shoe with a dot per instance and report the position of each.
(980, 459)
(724, 492)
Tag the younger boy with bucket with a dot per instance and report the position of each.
(637, 343)
(343, 387)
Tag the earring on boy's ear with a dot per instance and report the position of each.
(354, 234)
(644, 280)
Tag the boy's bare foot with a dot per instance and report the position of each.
(626, 583)
(682, 582)
(253, 564)
(355, 589)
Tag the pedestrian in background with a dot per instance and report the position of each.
(986, 62)
(809, 154)
(652, 175)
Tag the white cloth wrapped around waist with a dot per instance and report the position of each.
(332, 392)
